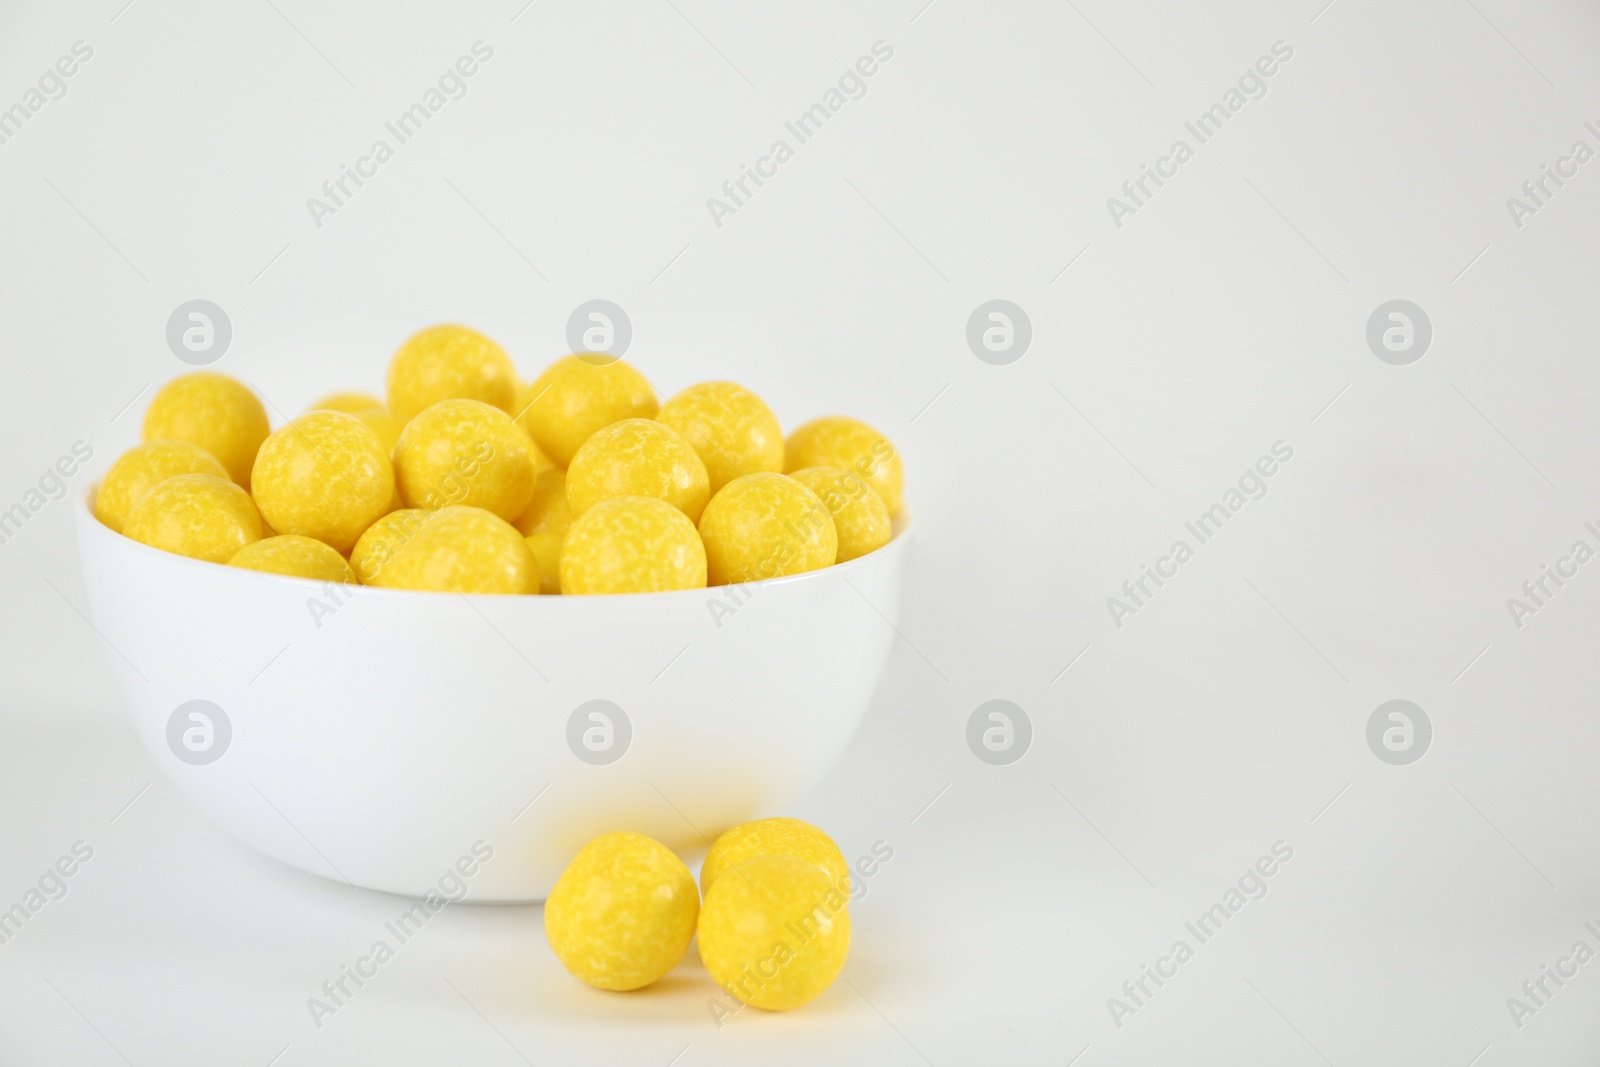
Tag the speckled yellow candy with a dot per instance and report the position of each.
(524, 396)
(774, 933)
(383, 539)
(197, 515)
(765, 526)
(449, 362)
(296, 556)
(577, 395)
(465, 452)
(324, 475)
(369, 409)
(632, 544)
(380, 422)
(835, 441)
(622, 913)
(215, 412)
(544, 522)
(143, 466)
(860, 517)
(731, 428)
(774, 837)
(463, 550)
(638, 457)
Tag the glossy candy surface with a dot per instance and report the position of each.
(775, 932)
(774, 837)
(197, 515)
(449, 362)
(143, 466)
(632, 544)
(215, 412)
(324, 475)
(544, 523)
(463, 550)
(850, 445)
(731, 428)
(622, 913)
(765, 526)
(860, 517)
(637, 457)
(378, 545)
(577, 395)
(296, 556)
(465, 452)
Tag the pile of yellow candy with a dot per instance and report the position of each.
(774, 924)
(468, 480)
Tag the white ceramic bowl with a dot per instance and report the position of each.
(376, 735)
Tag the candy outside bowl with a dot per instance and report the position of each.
(393, 739)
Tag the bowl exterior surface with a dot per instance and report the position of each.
(389, 738)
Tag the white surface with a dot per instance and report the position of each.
(1226, 315)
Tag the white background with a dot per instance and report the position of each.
(1228, 314)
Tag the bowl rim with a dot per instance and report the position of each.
(88, 520)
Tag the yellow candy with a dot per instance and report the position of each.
(731, 428)
(463, 550)
(775, 932)
(296, 556)
(637, 457)
(215, 412)
(541, 462)
(449, 363)
(775, 837)
(835, 441)
(324, 475)
(143, 466)
(544, 523)
(369, 409)
(622, 913)
(860, 517)
(383, 539)
(384, 425)
(764, 526)
(198, 515)
(350, 403)
(577, 395)
(465, 452)
(632, 544)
